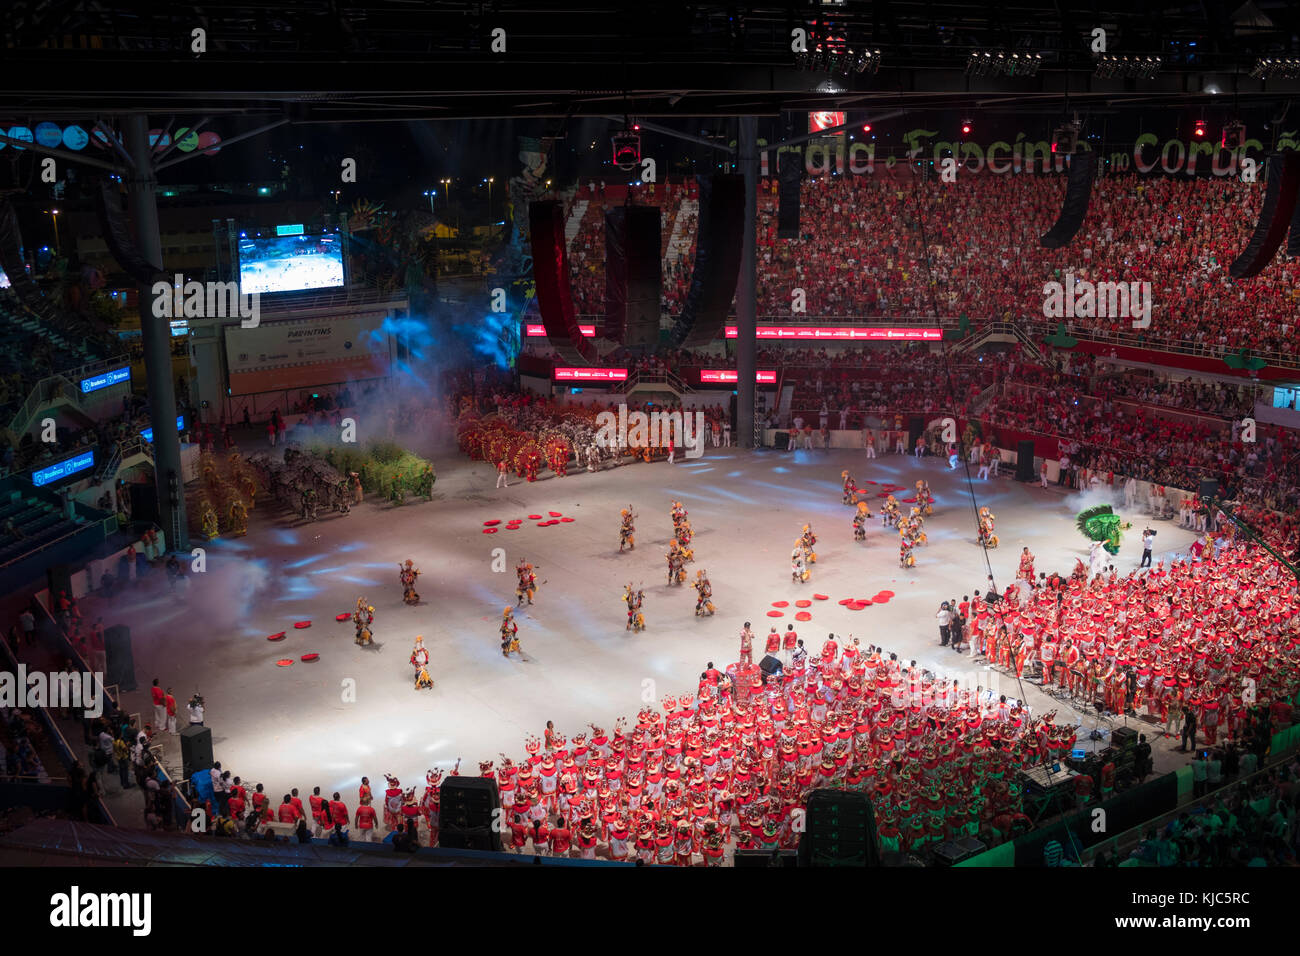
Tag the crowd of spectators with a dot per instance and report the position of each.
(861, 253)
(1253, 824)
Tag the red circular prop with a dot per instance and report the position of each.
(566, 519)
(780, 604)
(821, 597)
(803, 603)
(492, 524)
(857, 605)
(555, 514)
(846, 602)
(342, 617)
(276, 637)
(284, 662)
(776, 614)
(512, 527)
(885, 594)
(535, 517)
(301, 624)
(803, 616)
(310, 657)
(489, 530)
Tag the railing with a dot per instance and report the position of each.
(121, 450)
(57, 740)
(655, 377)
(67, 383)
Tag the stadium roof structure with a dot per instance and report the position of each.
(399, 60)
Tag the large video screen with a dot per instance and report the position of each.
(290, 263)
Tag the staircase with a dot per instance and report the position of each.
(574, 223)
(679, 243)
(1001, 332)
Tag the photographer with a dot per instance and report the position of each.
(195, 707)
(1148, 539)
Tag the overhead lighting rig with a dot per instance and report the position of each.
(1001, 63)
(821, 60)
(1110, 67)
(1268, 68)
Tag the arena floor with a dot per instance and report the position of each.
(291, 727)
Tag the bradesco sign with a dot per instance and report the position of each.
(535, 330)
(105, 379)
(843, 333)
(590, 374)
(726, 376)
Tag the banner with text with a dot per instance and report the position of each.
(307, 352)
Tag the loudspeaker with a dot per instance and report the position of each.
(949, 853)
(59, 578)
(791, 174)
(840, 830)
(781, 441)
(1209, 488)
(144, 502)
(196, 750)
(466, 807)
(1125, 738)
(644, 276)
(769, 665)
(551, 277)
(1025, 460)
(117, 236)
(119, 662)
(1274, 216)
(915, 429)
(751, 858)
(1078, 192)
(717, 261)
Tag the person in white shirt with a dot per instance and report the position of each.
(196, 712)
(945, 618)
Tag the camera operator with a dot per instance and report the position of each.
(1148, 539)
(195, 707)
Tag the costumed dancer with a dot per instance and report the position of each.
(625, 537)
(527, 585)
(407, 573)
(799, 572)
(420, 661)
(362, 618)
(906, 558)
(1026, 570)
(860, 521)
(889, 513)
(703, 606)
(633, 599)
(850, 488)
(923, 497)
(676, 563)
(806, 541)
(509, 632)
(987, 538)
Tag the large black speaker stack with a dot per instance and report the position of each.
(1078, 192)
(1025, 460)
(119, 662)
(840, 830)
(466, 807)
(196, 750)
(1275, 215)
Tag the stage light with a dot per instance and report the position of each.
(866, 128)
(1286, 68)
(966, 126)
(1234, 135)
(1199, 130)
(1127, 67)
(1000, 63)
(1065, 138)
(627, 150)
